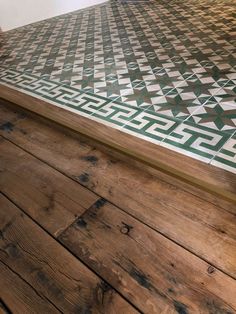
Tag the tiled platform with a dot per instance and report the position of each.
(164, 71)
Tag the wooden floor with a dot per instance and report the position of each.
(84, 232)
(196, 172)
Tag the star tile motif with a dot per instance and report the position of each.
(161, 70)
(216, 115)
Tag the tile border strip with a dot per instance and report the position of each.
(188, 139)
(200, 174)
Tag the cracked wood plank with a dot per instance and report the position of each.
(204, 228)
(48, 267)
(155, 274)
(50, 198)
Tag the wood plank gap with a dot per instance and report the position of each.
(4, 309)
(123, 210)
(27, 283)
(48, 164)
(210, 226)
(62, 245)
(207, 177)
(103, 201)
(209, 196)
(72, 178)
(146, 266)
(52, 197)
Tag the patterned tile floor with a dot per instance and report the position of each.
(161, 70)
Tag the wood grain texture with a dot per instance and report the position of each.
(3, 308)
(154, 273)
(53, 272)
(199, 173)
(201, 227)
(19, 297)
(20, 126)
(50, 198)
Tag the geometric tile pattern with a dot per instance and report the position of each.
(195, 140)
(216, 115)
(226, 158)
(164, 71)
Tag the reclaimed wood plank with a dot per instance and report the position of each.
(49, 197)
(3, 308)
(157, 275)
(19, 296)
(53, 272)
(20, 126)
(211, 178)
(198, 225)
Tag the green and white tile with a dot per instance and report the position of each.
(164, 71)
(150, 126)
(39, 87)
(87, 104)
(226, 158)
(196, 141)
(117, 113)
(216, 115)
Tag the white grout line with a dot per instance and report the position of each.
(147, 109)
(194, 112)
(218, 152)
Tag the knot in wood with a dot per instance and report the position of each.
(210, 269)
(125, 229)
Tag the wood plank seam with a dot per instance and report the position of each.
(61, 200)
(99, 203)
(67, 119)
(127, 212)
(32, 287)
(135, 219)
(155, 229)
(48, 164)
(93, 291)
(73, 134)
(62, 245)
(4, 307)
(86, 238)
(80, 183)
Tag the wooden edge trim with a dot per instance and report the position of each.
(205, 176)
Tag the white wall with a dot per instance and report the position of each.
(16, 13)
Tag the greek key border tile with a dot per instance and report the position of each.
(226, 158)
(148, 68)
(190, 139)
(196, 141)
